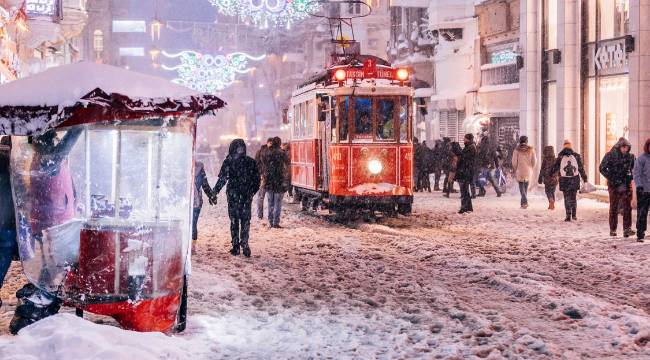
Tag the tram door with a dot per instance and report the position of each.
(325, 114)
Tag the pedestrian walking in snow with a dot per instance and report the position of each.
(547, 176)
(617, 166)
(276, 181)
(260, 157)
(427, 166)
(570, 167)
(642, 180)
(286, 147)
(243, 178)
(8, 244)
(487, 161)
(454, 157)
(200, 183)
(523, 163)
(438, 155)
(465, 173)
(418, 163)
(447, 157)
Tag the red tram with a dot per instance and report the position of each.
(351, 143)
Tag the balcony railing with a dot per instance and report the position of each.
(499, 74)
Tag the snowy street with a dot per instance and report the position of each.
(499, 283)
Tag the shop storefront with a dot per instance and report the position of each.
(605, 82)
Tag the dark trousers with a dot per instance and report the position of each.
(550, 192)
(642, 206)
(465, 196)
(195, 223)
(423, 181)
(490, 179)
(571, 202)
(8, 248)
(523, 190)
(620, 199)
(239, 212)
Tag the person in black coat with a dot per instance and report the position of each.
(465, 173)
(241, 174)
(8, 244)
(569, 165)
(200, 184)
(617, 167)
(438, 156)
(276, 180)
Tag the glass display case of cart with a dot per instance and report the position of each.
(103, 198)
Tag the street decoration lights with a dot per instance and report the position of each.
(262, 13)
(209, 73)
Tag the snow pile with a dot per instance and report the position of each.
(65, 85)
(65, 336)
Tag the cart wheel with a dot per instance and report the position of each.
(181, 317)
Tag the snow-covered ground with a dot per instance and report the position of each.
(498, 283)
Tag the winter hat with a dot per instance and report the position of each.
(568, 143)
(523, 139)
(469, 137)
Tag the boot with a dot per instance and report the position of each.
(436, 187)
(551, 204)
(628, 232)
(568, 215)
(235, 249)
(247, 251)
(573, 214)
(33, 304)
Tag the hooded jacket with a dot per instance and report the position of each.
(617, 167)
(275, 167)
(239, 172)
(570, 183)
(546, 176)
(523, 162)
(467, 163)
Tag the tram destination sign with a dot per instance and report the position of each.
(362, 73)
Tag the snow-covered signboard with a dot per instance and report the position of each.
(42, 8)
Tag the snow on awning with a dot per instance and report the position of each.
(100, 92)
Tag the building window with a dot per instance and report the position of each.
(614, 18)
(550, 30)
(98, 41)
(129, 26)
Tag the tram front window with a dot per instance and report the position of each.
(386, 119)
(363, 118)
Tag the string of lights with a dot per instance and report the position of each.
(264, 13)
(209, 73)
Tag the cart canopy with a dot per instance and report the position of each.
(87, 92)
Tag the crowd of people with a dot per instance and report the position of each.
(473, 166)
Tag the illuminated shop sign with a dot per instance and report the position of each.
(42, 8)
(611, 56)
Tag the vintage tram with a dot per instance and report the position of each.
(351, 139)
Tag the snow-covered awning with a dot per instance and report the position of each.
(86, 92)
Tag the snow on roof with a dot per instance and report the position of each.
(86, 92)
(65, 85)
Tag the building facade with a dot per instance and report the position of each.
(586, 75)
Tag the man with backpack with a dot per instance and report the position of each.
(569, 165)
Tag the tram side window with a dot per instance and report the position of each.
(296, 121)
(386, 119)
(403, 119)
(303, 119)
(344, 111)
(362, 118)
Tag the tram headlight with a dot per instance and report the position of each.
(339, 75)
(402, 74)
(375, 167)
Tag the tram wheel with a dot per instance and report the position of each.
(405, 209)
